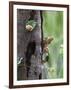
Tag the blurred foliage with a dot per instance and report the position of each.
(53, 26)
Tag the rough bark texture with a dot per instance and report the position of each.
(23, 38)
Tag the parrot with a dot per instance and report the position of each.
(47, 41)
(30, 25)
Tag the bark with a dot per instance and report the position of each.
(23, 38)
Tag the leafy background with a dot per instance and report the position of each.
(53, 26)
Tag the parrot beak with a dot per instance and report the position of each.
(29, 28)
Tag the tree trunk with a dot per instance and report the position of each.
(23, 38)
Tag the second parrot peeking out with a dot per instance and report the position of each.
(46, 42)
